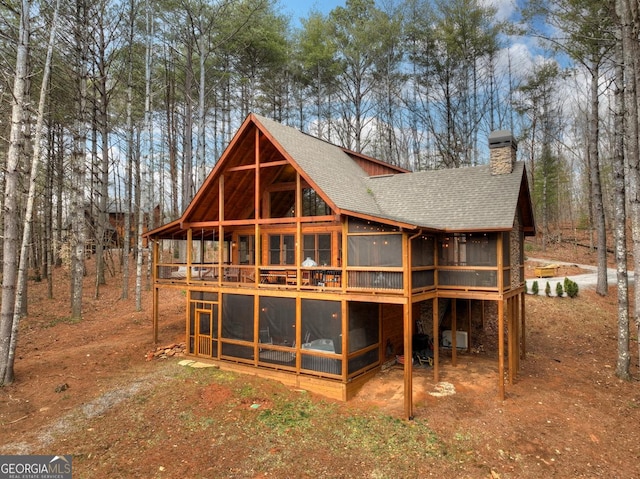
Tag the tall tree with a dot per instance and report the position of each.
(629, 14)
(620, 222)
(27, 232)
(78, 164)
(536, 98)
(583, 29)
(461, 35)
(316, 69)
(361, 50)
(12, 181)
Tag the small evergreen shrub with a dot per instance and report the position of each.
(535, 288)
(571, 288)
(547, 289)
(559, 290)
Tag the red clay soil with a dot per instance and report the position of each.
(566, 415)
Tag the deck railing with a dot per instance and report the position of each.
(323, 278)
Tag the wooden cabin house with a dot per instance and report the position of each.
(313, 265)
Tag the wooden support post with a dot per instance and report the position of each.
(155, 302)
(511, 339)
(408, 366)
(155, 313)
(468, 325)
(454, 333)
(501, 349)
(436, 341)
(523, 349)
(516, 321)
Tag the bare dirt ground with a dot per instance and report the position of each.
(87, 389)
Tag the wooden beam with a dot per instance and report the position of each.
(468, 325)
(436, 341)
(155, 305)
(454, 335)
(523, 350)
(510, 340)
(408, 329)
(408, 366)
(501, 350)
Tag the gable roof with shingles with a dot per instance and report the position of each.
(460, 199)
(326, 166)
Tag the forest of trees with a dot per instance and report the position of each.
(123, 107)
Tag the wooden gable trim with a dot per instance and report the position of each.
(297, 167)
(219, 166)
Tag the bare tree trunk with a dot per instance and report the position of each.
(126, 247)
(202, 137)
(630, 16)
(78, 207)
(103, 165)
(187, 153)
(48, 221)
(624, 356)
(12, 178)
(596, 188)
(149, 128)
(140, 226)
(35, 165)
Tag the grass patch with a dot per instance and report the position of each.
(289, 414)
(388, 436)
(65, 320)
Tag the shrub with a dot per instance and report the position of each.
(526, 288)
(559, 290)
(535, 288)
(547, 289)
(571, 288)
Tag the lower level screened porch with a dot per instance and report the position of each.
(332, 340)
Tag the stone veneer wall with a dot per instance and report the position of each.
(516, 253)
(502, 159)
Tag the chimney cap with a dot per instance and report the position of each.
(501, 138)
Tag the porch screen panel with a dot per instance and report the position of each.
(277, 323)
(364, 325)
(422, 251)
(375, 250)
(364, 331)
(321, 324)
(237, 317)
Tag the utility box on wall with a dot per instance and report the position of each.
(462, 339)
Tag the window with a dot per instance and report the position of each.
(246, 249)
(317, 247)
(313, 205)
(282, 249)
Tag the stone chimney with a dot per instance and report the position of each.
(502, 150)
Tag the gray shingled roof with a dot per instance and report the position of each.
(453, 199)
(328, 166)
(460, 199)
